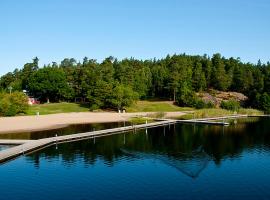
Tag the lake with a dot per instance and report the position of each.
(68, 130)
(181, 161)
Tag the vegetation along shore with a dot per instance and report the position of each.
(174, 83)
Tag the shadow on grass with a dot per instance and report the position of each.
(84, 105)
(152, 99)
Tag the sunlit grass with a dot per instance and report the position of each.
(53, 108)
(155, 106)
(140, 106)
(216, 112)
(250, 111)
(140, 120)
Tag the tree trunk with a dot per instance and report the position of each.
(174, 95)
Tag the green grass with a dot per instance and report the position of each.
(155, 106)
(216, 112)
(140, 106)
(53, 108)
(250, 111)
(140, 120)
(158, 115)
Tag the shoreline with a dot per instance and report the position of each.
(19, 124)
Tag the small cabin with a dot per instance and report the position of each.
(32, 101)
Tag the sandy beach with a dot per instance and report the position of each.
(47, 122)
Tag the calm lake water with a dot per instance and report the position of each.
(173, 162)
(71, 129)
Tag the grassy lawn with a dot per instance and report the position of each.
(53, 108)
(140, 106)
(155, 106)
(217, 112)
(140, 120)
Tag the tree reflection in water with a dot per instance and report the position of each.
(191, 164)
(185, 147)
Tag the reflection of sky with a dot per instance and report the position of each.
(153, 167)
(244, 178)
(3, 147)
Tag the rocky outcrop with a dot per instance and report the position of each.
(216, 97)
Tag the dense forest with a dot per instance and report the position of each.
(116, 83)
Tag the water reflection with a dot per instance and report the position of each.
(186, 148)
(191, 164)
(3, 147)
(72, 129)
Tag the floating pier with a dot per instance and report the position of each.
(27, 146)
(13, 142)
(209, 121)
(221, 118)
(204, 122)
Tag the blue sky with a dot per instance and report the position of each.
(55, 29)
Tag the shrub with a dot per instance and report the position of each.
(20, 102)
(230, 105)
(94, 107)
(187, 98)
(201, 104)
(12, 104)
(122, 96)
(6, 108)
(264, 102)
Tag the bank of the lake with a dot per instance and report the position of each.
(53, 121)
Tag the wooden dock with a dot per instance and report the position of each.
(27, 146)
(221, 118)
(204, 122)
(209, 121)
(13, 142)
